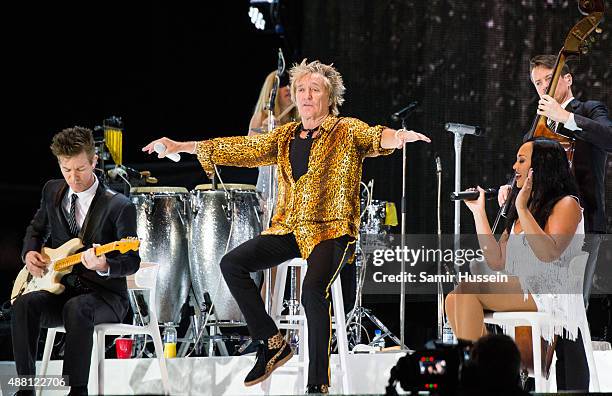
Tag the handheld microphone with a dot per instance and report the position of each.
(400, 114)
(463, 129)
(490, 193)
(160, 148)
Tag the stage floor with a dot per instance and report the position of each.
(368, 373)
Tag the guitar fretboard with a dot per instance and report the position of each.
(67, 262)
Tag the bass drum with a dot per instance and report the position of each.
(221, 221)
(163, 224)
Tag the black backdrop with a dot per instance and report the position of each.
(194, 71)
(464, 62)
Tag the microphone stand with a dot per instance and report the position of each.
(271, 176)
(403, 244)
(270, 199)
(440, 296)
(458, 142)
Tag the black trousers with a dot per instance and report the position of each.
(77, 313)
(572, 367)
(324, 265)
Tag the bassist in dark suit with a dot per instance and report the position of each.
(96, 292)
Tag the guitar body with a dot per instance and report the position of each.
(26, 283)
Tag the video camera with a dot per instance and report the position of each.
(436, 369)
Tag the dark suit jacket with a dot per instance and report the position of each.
(593, 143)
(111, 217)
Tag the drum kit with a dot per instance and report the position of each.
(377, 217)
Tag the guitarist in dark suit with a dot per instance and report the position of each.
(96, 291)
(589, 123)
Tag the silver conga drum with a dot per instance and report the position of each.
(163, 224)
(221, 221)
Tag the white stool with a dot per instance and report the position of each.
(298, 322)
(510, 320)
(143, 279)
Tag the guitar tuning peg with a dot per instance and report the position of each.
(584, 50)
(598, 30)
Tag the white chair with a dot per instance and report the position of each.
(143, 279)
(510, 320)
(298, 322)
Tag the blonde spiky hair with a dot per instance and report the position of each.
(331, 77)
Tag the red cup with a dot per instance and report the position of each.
(123, 346)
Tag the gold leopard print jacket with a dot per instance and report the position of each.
(322, 204)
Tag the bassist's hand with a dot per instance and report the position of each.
(549, 107)
(35, 263)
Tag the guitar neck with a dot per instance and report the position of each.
(552, 88)
(74, 259)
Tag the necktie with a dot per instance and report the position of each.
(552, 124)
(72, 223)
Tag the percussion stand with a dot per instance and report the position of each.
(359, 312)
(197, 332)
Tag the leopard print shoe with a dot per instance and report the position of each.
(272, 354)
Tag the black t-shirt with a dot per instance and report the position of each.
(299, 152)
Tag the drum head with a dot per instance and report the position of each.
(158, 190)
(229, 186)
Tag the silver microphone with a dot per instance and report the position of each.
(400, 114)
(161, 148)
(438, 165)
(463, 129)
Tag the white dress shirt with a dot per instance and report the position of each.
(571, 123)
(83, 202)
(82, 207)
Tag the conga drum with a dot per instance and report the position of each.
(221, 220)
(163, 224)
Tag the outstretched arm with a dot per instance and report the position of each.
(247, 151)
(392, 138)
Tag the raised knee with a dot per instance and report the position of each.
(228, 265)
(450, 303)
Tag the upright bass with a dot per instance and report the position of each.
(576, 42)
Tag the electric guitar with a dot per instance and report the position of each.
(61, 260)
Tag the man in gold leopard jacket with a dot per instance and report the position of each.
(317, 209)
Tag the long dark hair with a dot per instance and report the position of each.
(552, 180)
